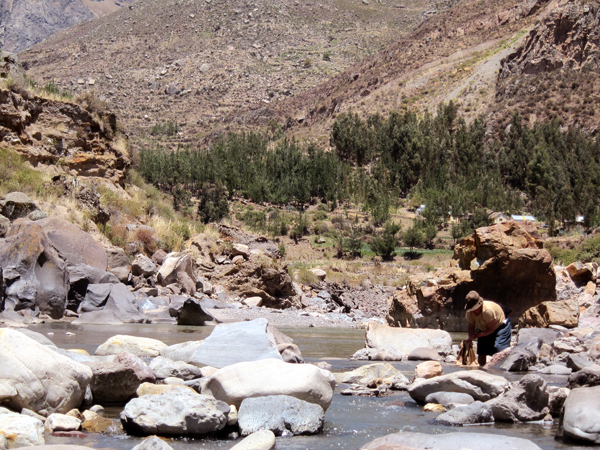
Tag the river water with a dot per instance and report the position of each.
(350, 422)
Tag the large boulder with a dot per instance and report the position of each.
(164, 368)
(369, 375)
(172, 265)
(237, 342)
(80, 277)
(527, 336)
(449, 441)
(182, 351)
(73, 244)
(279, 413)
(179, 412)
(113, 382)
(509, 265)
(525, 400)
(143, 266)
(35, 377)
(153, 443)
(586, 377)
(477, 383)
(139, 346)
(116, 299)
(580, 418)
(234, 383)
(504, 263)
(405, 340)
(141, 369)
(16, 205)
(563, 313)
(20, 430)
(473, 413)
(33, 275)
(188, 311)
(118, 264)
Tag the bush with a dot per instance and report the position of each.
(413, 237)
(384, 244)
(213, 203)
(320, 228)
(319, 215)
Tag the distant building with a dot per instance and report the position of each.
(498, 217)
(522, 218)
(420, 210)
(579, 219)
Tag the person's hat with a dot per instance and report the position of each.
(473, 301)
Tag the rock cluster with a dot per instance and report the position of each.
(505, 263)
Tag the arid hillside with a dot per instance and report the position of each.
(199, 62)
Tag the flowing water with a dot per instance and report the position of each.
(350, 422)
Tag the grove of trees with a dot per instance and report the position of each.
(437, 159)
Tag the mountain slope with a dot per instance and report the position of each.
(24, 23)
(197, 62)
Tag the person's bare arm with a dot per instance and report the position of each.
(490, 329)
(471, 331)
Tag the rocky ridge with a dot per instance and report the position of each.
(62, 136)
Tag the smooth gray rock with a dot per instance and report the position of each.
(143, 266)
(580, 419)
(73, 244)
(164, 368)
(98, 318)
(118, 264)
(555, 369)
(476, 412)
(95, 297)
(527, 336)
(424, 354)
(367, 375)
(61, 422)
(178, 412)
(577, 362)
(234, 383)
(519, 359)
(451, 441)
(236, 342)
(113, 382)
(35, 377)
(477, 383)
(181, 352)
(449, 398)
(279, 413)
(525, 400)
(405, 340)
(153, 443)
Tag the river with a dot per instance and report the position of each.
(349, 422)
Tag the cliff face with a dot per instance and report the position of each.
(554, 73)
(568, 38)
(24, 23)
(27, 22)
(62, 137)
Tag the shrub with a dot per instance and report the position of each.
(213, 203)
(384, 244)
(319, 215)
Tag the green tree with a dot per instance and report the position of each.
(384, 243)
(213, 203)
(456, 232)
(413, 237)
